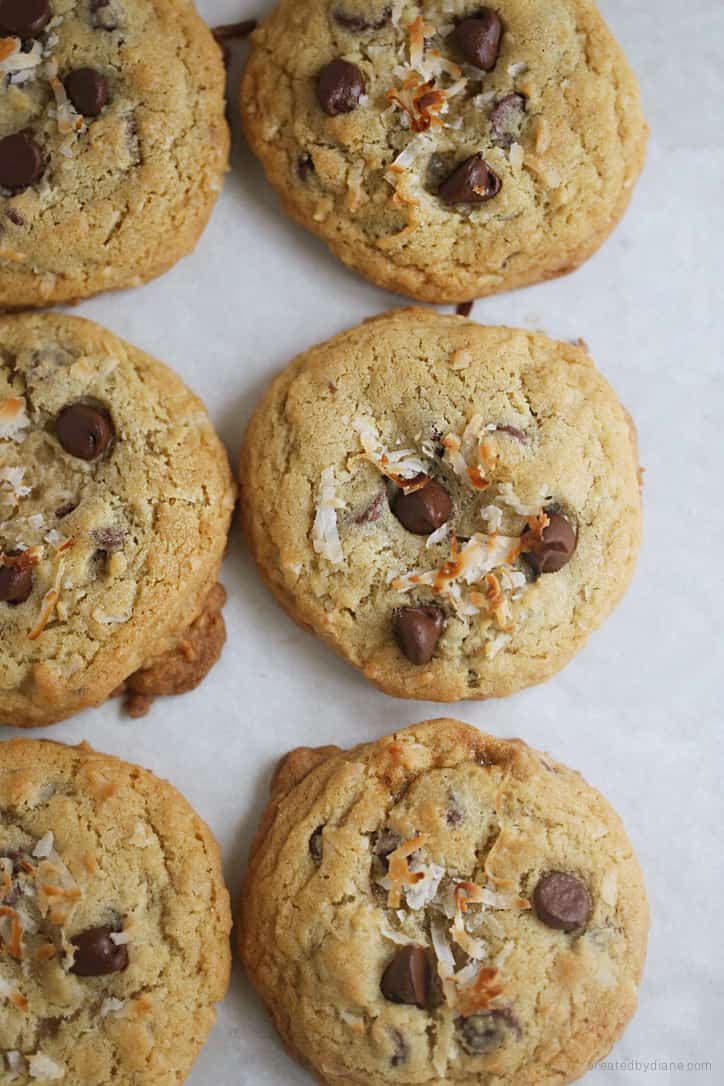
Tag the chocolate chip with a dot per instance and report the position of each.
(16, 580)
(401, 1050)
(554, 549)
(316, 845)
(562, 901)
(472, 182)
(417, 631)
(425, 510)
(478, 38)
(340, 85)
(305, 166)
(358, 23)
(234, 31)
(484, 1032)
(464, 309)
(506, 118)
(21, 161)
(24, 18)
(14, 216)
(84, 430)
(109, 539)
(371, 512)
(512, 431)
(65, 510)
(455, 813)
(407, 978)
(97, 955)
(87, 90)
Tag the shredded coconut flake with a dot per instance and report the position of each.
(13, 417)
(44, 847)
(111, 1006)
(41, 1066)
(325, 533)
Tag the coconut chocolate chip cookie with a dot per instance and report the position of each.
(115, 502)
(453, 508)
(114, 922)
(113, 143)
(454, 909)
(447, 150)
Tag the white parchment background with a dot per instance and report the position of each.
(640, 711)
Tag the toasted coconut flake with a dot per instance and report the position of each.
(44, 846)
(355, 189)
(11, 932)
(47, 607)
(507, 496)
(422, 892)
(401, 466)
(13, 417)
(609, 888)
(400, 875)
(45, 953)
(17, 64)
(121, 938)
(479, 995)
(11, 484)
(325, 533)
(69, 120)
(395, 936)
(355, 1021)
(461, 359)
(494, 900)
(111, 1006)
(439, 535)
(41, 1066)
(503, 954)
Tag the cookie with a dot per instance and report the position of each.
(443, 907)
(451, 150)
(114, 922)
(453, 508)
(115, 502)
(113, 143)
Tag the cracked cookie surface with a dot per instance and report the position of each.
(115, 502)
(451, 507)
(447, 150)
(442, 907)
(120, 104)
(114, 922)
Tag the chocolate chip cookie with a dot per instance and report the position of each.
(453, 508)
(114, 922)
(447, 150)
(453, 909)
(115, 502)
(113, 143)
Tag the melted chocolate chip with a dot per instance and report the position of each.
(455, 813)
(305, 166)
(358, 23)
(16, 580)
(21, 161)
(506, 119)
(562, 901)
(555, 548)
(316, 845)
(109, 539)
(417, 631)
(484, 1032)
(65, 510)
(407, 978)
(14, 216)
(478, 38)
(87, 90)
(512, 431)
(340, 85)
(472, 182)
(84, 430)
(24, 18)
(373, 511)
(425, 510)
(401, 1050)
(97, 955)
